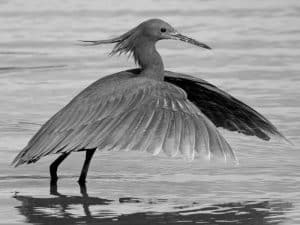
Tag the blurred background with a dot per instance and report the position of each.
(255, 58)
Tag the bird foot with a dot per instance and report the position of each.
(82, 185)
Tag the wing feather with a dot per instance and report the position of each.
(138, 114)
(155, 134)
(187, 143)
(223, 109)
(202, 137)
(126, 134)
(122, 136)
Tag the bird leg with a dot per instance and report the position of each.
(53, 190)
(88, 156)
(54, 166)
(83, 191)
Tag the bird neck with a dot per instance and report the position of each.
(149, 59)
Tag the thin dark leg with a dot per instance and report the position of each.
(54, 166)
(83, 190)
(53, 190)
(88, 156)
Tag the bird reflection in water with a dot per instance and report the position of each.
(63, 209)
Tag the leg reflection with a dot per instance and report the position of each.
(64, 210)
(85, 200)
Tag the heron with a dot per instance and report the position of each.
(146, 109)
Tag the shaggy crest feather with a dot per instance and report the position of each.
(125, 44)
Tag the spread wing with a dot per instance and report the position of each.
(223, 109)
(123, 112)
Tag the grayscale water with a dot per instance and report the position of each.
(255, 57)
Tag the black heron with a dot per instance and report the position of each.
(146, 109)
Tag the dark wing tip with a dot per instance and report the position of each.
(224, 110)
(279, 135)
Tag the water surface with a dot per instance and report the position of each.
(255, 57)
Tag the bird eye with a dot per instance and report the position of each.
(163, 30)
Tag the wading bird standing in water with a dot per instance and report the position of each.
(146, 109)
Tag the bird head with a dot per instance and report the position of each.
(157, 29)
(151, 30)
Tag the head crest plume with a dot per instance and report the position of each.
(124, 43)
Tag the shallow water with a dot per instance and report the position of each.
(255, 57)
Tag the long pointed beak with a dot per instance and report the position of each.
(178, 36)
